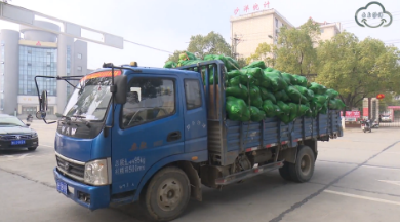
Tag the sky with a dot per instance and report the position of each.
(168, 25)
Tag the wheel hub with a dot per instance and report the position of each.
(306, 164)
(169, 194)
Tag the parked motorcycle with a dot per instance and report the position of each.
(366, 126)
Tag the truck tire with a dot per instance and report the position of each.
(303, 169)
(167, 195)
(284, 171)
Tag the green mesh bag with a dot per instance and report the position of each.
(256, 114)
(267, 95)
(240, 92)
(331, 93)
(256, 64)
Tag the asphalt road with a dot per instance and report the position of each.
(357, 178)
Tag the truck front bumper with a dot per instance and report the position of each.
(91, 197)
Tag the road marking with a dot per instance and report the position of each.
(363, 197)
(391, 182)
(8, 158)
(380, 168)
(22, 156)
(46, 145)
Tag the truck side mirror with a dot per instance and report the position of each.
(43, 101)
(121, 83)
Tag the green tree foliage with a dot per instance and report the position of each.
(242, 63)
(175, 57)
(212, 43)
(295, 50)
(261, 54)
(312, 29)
(358, 69)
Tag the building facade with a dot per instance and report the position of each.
(327, 31)
(249, 30)
(31, 52)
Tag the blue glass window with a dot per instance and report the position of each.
(36, 61)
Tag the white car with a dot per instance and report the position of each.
(386, 118)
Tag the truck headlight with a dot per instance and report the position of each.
(97, 172)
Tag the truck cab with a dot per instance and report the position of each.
(107, 156)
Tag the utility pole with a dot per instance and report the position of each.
(235, 41)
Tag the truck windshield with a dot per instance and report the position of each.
(90, 99)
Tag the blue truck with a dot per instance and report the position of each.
(154, 135)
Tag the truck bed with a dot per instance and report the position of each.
(234, 137)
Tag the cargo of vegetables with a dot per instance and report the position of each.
(256, 92)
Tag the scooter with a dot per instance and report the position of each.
(365, 126)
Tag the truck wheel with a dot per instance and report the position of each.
(303, 170)
(284, 171)
(167, 195)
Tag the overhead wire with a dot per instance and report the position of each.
(147, 46)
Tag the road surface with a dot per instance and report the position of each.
(357, 178)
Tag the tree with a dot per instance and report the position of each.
(261, 53)
(358, 70)
(212, 43)
(295, 50)
(175, 57)
(242, 63)
(312, 29)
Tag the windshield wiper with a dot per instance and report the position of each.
(78, 116)
(66, 117)
(87, 123)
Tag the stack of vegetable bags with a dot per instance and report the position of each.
(256, 92)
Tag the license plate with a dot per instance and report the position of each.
(18, 142)
(62, 187)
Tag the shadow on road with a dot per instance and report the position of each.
(15, 151)
(235, 194)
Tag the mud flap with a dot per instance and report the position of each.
(195, 181)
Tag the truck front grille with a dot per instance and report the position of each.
(73, 169)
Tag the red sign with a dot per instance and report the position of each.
(353, 114)
(365, 111)
(255, 7)
(38, 43)
(236, 10)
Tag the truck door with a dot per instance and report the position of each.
(150, 128)
(195, 116)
